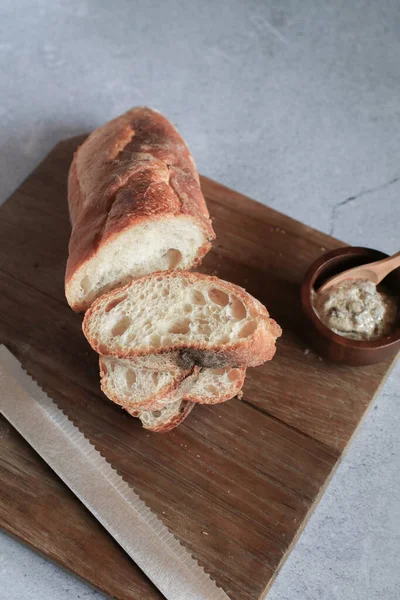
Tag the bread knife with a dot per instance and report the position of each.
(138, 530)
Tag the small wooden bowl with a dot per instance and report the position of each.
(321, 338)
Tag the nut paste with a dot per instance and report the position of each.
(357, 310)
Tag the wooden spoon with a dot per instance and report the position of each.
(375, 272)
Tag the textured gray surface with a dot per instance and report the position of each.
(293, 103)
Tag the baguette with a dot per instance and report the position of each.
(212, 323)
(135, 206)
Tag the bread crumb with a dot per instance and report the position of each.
(204, 532)
(306, 351)
(239, 395)
(198, 455)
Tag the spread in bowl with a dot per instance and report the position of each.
(356, 309)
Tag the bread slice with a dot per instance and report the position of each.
(211, 322)
(213, 386)
(166, 418)
(148, 382)
(135, 205)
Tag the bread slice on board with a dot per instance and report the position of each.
(211, 322)
(212, 386)
(150, 383)
(135, 205)
(166, 418)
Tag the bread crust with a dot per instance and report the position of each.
(132, 170)
(248, 352)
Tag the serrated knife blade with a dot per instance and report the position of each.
(102, 490)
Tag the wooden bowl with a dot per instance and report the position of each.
(321, 338)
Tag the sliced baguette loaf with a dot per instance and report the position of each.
(211, 322)
(135, 205)
(166, 418)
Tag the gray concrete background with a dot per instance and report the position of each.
(296, 104)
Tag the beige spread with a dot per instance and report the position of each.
(357, 309)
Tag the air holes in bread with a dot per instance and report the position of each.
(172, 258)
(154, 377)
(204, 329)
(218, 297)
(237, 309)
(114, 303)
(234, 375)
(248, 329)
(155, 341)
(180, 327)
(197, 297)
(156, 413)
(130, 378)
(212, 389)
(86, 285)
(188, 308)
(219, 371)
(121, 326)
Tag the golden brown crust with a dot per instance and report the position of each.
(248, 352)
(133, 169)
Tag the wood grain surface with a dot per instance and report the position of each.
(236, 481)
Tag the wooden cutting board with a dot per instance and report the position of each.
(236, 482)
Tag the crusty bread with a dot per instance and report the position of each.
(152, 382)
(148, 382)
(135, 205)
(213, 386)
(212, 322)
(166, 418)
